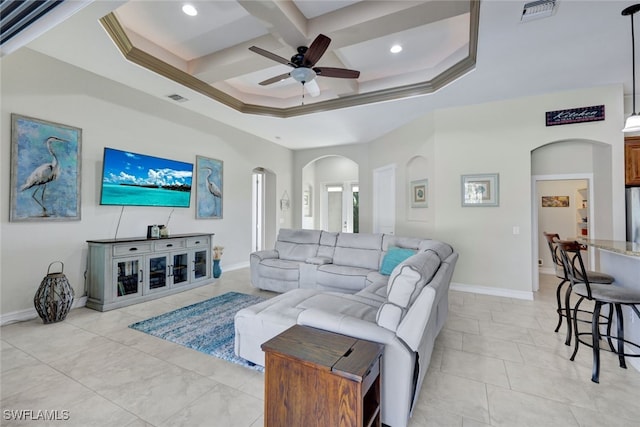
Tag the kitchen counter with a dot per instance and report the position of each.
(624, 248)
(622, 261)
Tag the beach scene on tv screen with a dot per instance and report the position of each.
(141, 180)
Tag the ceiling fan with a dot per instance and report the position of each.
(303, 64)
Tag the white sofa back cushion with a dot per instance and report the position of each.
(327, 244)
(297, 245)
(358, 250)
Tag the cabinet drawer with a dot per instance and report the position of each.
(197, 241)
(132, 249)
(162, 245)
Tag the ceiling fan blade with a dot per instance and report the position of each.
(270, 55)
(342, 73)
(275, 79)
(312, 88)
(316, 50)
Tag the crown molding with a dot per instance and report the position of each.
(137, 56)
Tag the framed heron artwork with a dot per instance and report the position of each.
(45, 170)
(209, 189)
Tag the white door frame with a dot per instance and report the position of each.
(534, 216)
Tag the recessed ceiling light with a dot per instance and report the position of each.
(189, 10)
(395, 48)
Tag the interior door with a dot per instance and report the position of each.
(384, 199)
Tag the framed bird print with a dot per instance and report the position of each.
(209, 189)
(45, 170)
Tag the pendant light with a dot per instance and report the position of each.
(633, 121)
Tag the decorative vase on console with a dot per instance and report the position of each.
(217, 254)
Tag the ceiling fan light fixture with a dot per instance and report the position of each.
(303, 75)
(190, 10)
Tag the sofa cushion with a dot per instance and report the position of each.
(408, 278)
(327, 244)
(297, 245)
(358, 250)
(376, 291)
(350, 305)
(279, 269)
(389, 316)
(341, 277)
(390, 240)
(393, 257)
(442, 249)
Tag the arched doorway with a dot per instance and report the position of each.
(580, 170)
(330, 194)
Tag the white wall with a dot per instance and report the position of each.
(496, 137)
(113, 115)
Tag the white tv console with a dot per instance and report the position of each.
(127, 271)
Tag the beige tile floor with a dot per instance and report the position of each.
(497, 363)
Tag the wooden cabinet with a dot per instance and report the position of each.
(632, 160)
(121, 272)
(319, 378)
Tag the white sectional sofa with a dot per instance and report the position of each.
(315, 259)
(405, 310)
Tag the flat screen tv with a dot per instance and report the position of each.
(132, 179)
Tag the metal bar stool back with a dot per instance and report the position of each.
(564, 310)
(601, 294)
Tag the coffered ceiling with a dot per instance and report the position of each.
(455, 52)
(210, 52)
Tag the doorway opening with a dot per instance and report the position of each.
(331, 195)
(341, 207)
(257, 210)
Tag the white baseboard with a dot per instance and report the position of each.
(547, 270)
(236, 266)
(31, 313)
(486, 290)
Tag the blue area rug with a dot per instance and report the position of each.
(206, 326)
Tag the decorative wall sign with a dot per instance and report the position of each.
(575, 115)
(419, 193)
(45, 170)
(480, 190)
(555, 201)
(209, 188)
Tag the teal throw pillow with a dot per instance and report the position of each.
(394, 257)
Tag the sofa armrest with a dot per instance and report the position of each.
(319, 260)
(346, 325)
(266, 254)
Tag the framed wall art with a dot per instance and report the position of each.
(306, 202)
(45, 170)
(555, 201)
(480, 190)
(209, 188)
(418, 190)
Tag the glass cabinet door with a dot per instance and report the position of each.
(129, 277)
(158, 272)
(200, 260)
(180, 268)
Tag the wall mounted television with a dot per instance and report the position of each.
(132, 179)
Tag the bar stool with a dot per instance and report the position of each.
(614, 296)
(564, 311)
